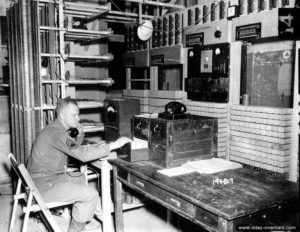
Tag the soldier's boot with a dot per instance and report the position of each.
(76, 226)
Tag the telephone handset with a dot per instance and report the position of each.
(73, 132)
(175, 107)
(174, 110)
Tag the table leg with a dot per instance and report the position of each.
(106, 197)
(173, 217)
(118, 201)
(224, 225)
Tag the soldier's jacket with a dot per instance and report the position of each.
(52, 147)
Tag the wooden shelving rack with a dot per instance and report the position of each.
(66, 33)
(39, 34)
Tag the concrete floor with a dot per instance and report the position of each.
(151, 218)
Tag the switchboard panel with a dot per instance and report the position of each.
(208, 73)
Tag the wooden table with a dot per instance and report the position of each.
(104, 169)
(223, 201)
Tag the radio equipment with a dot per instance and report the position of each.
(117, 116)
(208, 73)
(173, 142)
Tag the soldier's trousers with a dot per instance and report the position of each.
(67, 188)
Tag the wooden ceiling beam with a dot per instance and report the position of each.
(169, 5)
(164, 11)
(134, 15)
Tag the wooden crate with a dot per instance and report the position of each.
(174, 142)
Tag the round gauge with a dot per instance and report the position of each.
(286, 54)
(111, 113)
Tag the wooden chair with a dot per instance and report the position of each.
(27, 191)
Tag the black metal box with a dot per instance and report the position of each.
(117, 117)
(174, 142)
(119, 111)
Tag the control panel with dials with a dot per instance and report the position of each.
(208, 73)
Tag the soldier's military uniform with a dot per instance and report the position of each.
(47, 163)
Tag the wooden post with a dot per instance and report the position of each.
(51, 44)
(11, 79)
(128, 78)
(154, 77)
(61, 46)
(294, 159)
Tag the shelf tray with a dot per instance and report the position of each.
(86, 11)
(80, 35)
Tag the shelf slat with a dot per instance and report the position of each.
(52, 81)
(87, 81)
(107, 57)
(141, 80)
(101, 58)
(93, 128)
(89, 104)
(48, 107)
(81, 105)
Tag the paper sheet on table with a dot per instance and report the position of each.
(177, 171)
(210, 166)
(138, 144)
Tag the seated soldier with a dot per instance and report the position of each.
(49, 158)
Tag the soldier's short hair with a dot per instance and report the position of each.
(62, 103)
